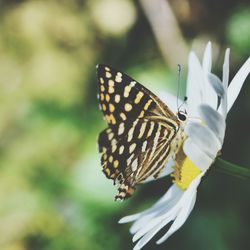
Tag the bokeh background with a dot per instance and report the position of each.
(53, 195)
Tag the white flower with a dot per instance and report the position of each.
(205, 132)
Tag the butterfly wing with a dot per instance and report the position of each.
(137, 142)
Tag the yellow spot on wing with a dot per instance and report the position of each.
(134, 165)
(107, 96)
(147, 104)
(108, 74)
(102, 88)
(111, 90)
(139, 97)
(112, 119)
(101, 80)
(142, 129)
(117, 98)
(118, 77)
(111, 107)
(150, 129)
(141, 114)
(127, 107)
(127, 89)
(121, 149)
(129, 159)
(116, 164)
(132, 84)
(110, 158)
(123, 116)
(111, 83)
(104, 108)
(114, 147)
(131, 133)
(144, 146)
(107, 171)
(110, 135)
(132, 147)
(121, 128)
(102, 96)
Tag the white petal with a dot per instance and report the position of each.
(129, 218)
(180, 220)
(196, 155)
(207, 58)
(209, 96)
(216, 84)
(195, 84)
(225, 79)
(170, 100)
(204, 138)
(237, 82)
(166, 202)
(155, 224)
(214, 120)
(187, 204)
(159, 221)
(173, 193)
(148, 236)
(147, 227)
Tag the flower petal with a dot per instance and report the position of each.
(186, 205)
(214, 120)
(216, 84)
(195, 84)
(209, 96)
(180, 220)
(204, 138)
(196, 155)
(225, 79)
(166, 202)
(207, 58)
(150, 234)
(236, 84)
(173, 191)
(170, 100)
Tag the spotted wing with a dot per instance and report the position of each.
(137, 142)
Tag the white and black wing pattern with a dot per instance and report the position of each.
(136, 143)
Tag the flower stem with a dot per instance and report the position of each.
(232, 169)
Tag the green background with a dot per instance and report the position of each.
(53, 195)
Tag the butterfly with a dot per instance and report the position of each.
(142, 134)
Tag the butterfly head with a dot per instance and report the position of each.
(182, 115)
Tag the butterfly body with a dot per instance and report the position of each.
(142, 134)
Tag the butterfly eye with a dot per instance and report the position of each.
(181, 116)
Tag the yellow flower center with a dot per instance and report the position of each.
(185, 170)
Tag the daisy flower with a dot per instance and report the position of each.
(209, 101)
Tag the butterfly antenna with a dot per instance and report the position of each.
(178, 87)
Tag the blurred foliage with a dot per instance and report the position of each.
(239, 32)
(53, 195)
